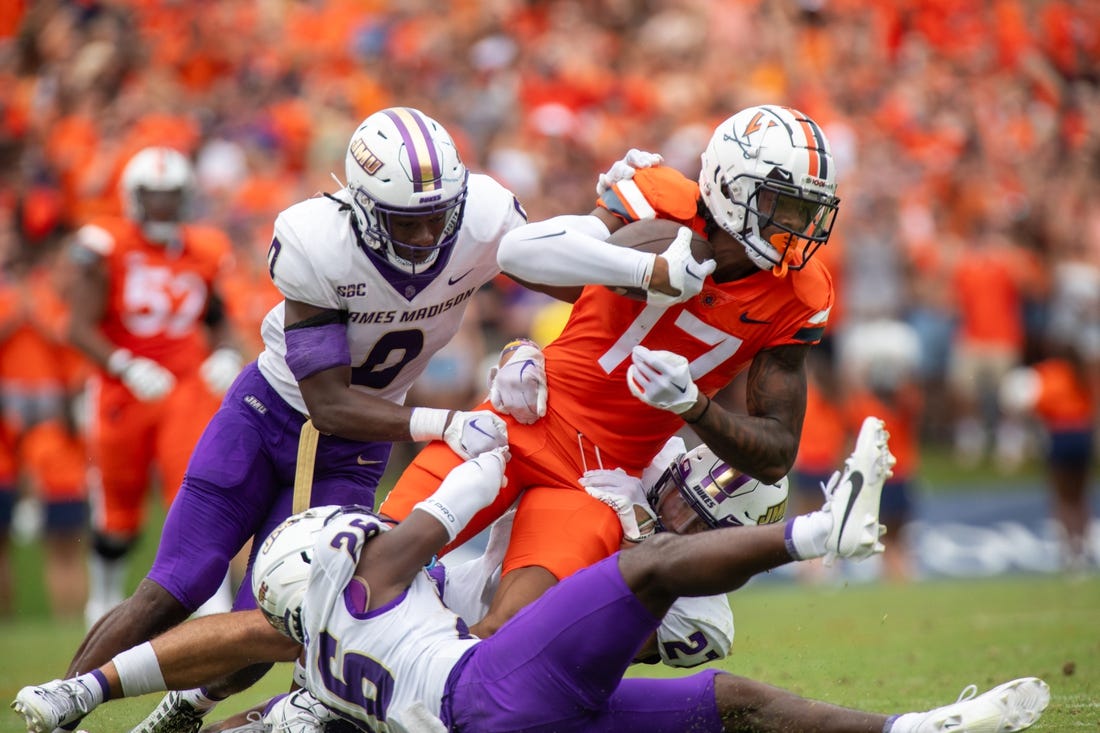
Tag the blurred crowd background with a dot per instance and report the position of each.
(967, 135)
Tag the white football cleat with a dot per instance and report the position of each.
(299, 712)
(52, 705)
(173, 714)
(852, 497)
(1012, 706)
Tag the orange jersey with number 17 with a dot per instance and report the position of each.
(719, 331)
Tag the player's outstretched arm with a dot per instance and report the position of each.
(391, 560)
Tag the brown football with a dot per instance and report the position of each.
(655, 235)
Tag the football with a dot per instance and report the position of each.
(655, 235)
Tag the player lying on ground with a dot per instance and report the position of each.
(384, 651)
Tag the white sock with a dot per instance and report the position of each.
(106, 581)
(806, 535)
(906, 723)
(94, 685)
(199, 700)
(139, 671)
(299, 673)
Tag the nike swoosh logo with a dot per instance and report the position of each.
(856, 480)
(746, 319)
(683, 390)
(453, 280)
(691, 272)
(364, 462)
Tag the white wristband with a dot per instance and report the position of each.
(118, 361)
(427, 423)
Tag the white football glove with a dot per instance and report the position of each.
(661, 379)
(466, 490)
(220, 369)
(472, 433)
(622, 492)
(695, 631)
(623, 169)
(146, 379)
(518, 388)
(684, 273)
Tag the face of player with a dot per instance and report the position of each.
(415, 236)
(787, 213)
(161, 206)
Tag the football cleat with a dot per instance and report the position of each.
(301, 712)
(52, 705)
(852, 496)
(173, 714)
(1013, 706)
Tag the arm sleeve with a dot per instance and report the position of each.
(572, 250)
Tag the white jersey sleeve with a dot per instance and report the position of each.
(386, 667)
(291, 270)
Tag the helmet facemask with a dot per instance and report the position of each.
(376, 221)
(804, 221)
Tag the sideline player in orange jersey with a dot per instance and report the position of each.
(146, 311)
(625, 375)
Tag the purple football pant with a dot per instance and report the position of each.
(240, 483)
(558, 666)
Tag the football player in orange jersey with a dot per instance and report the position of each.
(625, 375)
(146, 311)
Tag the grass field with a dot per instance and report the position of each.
(883, 648)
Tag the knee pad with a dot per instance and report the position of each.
(111, 548)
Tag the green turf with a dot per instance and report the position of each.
(878, 647)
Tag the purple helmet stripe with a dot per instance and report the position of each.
(423, 160)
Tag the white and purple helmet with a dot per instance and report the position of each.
(700, 491)
(400, 162)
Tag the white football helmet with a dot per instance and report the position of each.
(280, 572)
(700, 491)
(400, 162)
(769, 168)
(158, 185)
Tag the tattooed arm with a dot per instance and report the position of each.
(764, 442)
